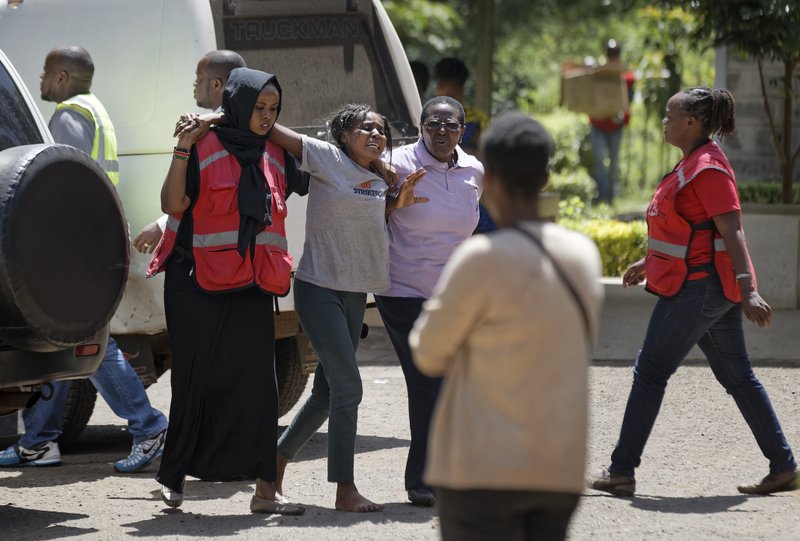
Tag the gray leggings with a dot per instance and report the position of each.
(332, 321)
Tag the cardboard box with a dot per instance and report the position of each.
(600, 92)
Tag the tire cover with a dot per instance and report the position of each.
(64, 250)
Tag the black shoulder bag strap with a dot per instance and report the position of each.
(564, 279)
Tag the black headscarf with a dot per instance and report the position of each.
(238, 100)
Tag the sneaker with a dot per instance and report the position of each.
(774, 482)
(613, 483)
(142, 454)
(172, 498)
(45, 454)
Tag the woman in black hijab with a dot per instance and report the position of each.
(225, 256)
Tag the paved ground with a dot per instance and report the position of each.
(699, 451)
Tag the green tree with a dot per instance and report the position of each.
(427, 28)
(532, 41)
(759, 30)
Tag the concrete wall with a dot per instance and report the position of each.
(750, 149)
(771, 229)
(773, 233)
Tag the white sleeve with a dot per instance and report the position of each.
(162, 222)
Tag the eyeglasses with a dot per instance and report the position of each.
(435, 125)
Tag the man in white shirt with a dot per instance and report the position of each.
(211, 75)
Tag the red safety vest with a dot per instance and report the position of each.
(669, 234)
(215, 217)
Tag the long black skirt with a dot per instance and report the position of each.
(223, 419)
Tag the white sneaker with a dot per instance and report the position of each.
(142, 454)
(172, 498)
(45, 454)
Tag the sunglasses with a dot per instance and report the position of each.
(435, 125)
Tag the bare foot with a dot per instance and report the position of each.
(349, 499)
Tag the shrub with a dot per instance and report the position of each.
(620, 243)
(569, 131)
(575, 183)
(764, 192)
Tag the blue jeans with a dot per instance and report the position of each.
(332, 321)
(120, 387)
(605, 144)
(701, 315)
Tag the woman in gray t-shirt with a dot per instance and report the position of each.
(346, 255)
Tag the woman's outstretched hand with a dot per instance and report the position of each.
(405, 197)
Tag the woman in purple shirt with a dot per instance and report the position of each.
(421, 240)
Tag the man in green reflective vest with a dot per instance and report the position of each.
(80, 120)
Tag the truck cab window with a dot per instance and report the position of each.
(17, 126)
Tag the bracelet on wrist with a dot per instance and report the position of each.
(179, 153)
(744, 275)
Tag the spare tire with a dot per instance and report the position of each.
(64, 250)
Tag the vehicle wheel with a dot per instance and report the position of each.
(289, 372)
(80, 404)
(62, 236)
(9, 426)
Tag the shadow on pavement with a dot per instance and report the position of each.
(696, 505)
(19, 520)
(91, 456)
(185, 523)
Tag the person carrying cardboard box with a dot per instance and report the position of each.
(606, 132)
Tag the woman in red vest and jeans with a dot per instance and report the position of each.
(697, 262)
(225, 255)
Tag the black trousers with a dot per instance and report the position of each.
(399, 315)
(504, 515)
(223, 417)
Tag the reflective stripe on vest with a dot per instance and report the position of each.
(104, 145)
(677, 250)
(222, 153)
(231, 238)
(228, 238)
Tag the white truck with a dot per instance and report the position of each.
(325, 53)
